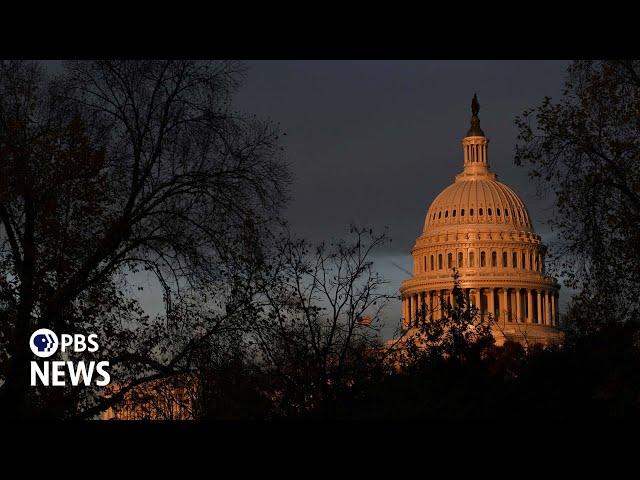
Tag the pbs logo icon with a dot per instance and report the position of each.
(44, 343)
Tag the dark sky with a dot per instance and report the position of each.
(373, 142)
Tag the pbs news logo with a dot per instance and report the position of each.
(44, 343)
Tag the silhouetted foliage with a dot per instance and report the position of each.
(456, 332)
(585, 150)
(117, 168)
(316, 323)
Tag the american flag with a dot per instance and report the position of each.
(365, 320)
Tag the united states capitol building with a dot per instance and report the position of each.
(481, 228)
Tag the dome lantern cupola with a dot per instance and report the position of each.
(476, 146)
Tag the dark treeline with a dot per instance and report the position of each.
(112, 171)
(456, 371)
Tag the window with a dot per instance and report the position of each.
(439, 214)
(460, 260)
(471, 260)
(514, 260)
(498, 211)
(446, 213)
(506, 212)
(450, 260)
(489, 211)
(494, 259)
(483, 259)
(480, 212)
(454, 212)
(504, 259)
(439, 261)
(471, 212)
(425, 263)
(537, 263)
(530, 261)
(523, 264)
(462, 212)
(432, 265)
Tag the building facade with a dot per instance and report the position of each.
(172, 398)
(481, 228)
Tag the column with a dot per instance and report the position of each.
(444, 295)
(425, 306)
(529, 306)
(478, 300)
(414, 309)
(539, 295)
(430, 304)
(490, 305)
(433, 304)
(405, 314)
(505, 303)
(436, 305)
(445, 298)
(518, 305)
(553, 308)
(547, 310)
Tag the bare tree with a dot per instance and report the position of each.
(317, 322)
(117, 167)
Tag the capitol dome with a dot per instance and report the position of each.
(480, 227)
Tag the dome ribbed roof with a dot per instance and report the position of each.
(477, 197)
(479, 201)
